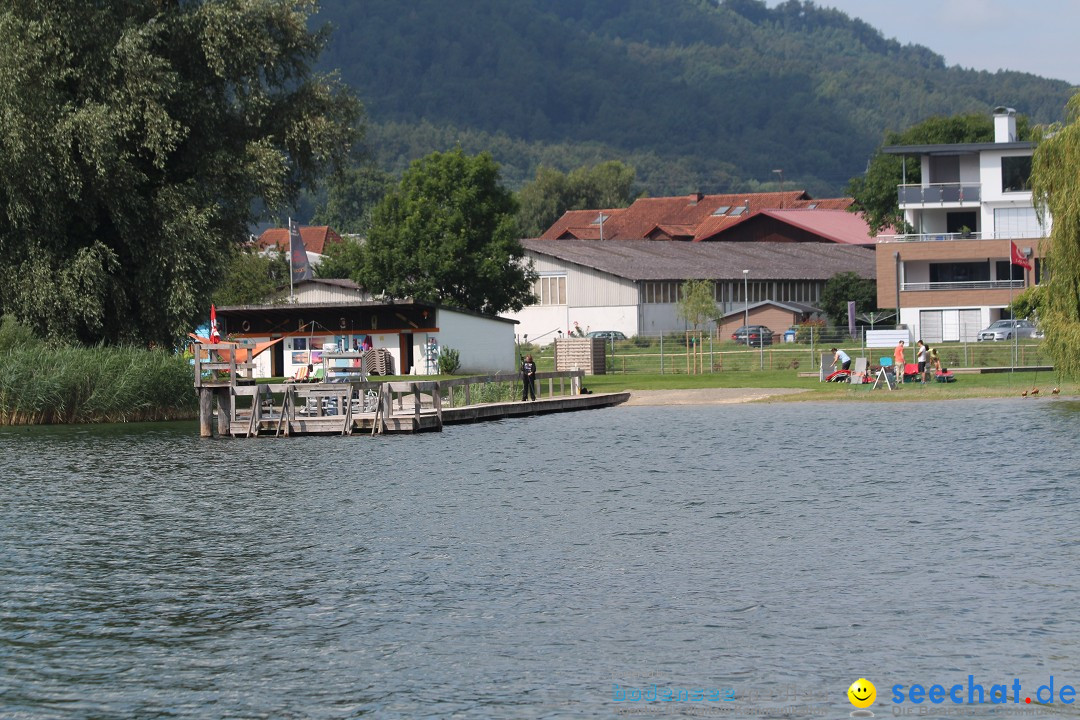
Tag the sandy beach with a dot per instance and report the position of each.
(706, 396)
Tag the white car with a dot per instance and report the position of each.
(1007, 329)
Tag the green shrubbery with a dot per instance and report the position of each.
(42, 383)
(449, 361)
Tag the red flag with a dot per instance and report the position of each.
(1018, 257)
(215, 336)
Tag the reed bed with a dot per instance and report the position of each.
(45, 384)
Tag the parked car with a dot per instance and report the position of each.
(759, 335)
(607, 335)
(1006, 329)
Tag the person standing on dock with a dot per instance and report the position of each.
(528, 378)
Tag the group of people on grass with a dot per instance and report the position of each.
(925, 356)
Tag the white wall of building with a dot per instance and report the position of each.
(485, 345)
(541, 322)
(594, 300)
(612, 317)
(955, 324)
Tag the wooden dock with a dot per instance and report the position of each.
(244, 408)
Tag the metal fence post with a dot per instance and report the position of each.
(661, 354)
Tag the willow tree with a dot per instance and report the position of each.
(136, 136)
(1055, 183)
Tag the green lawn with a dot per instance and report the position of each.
(966, 385)
(638, 356)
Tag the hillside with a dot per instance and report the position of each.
(696, 95)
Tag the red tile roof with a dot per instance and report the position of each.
(839, 226)
(686, 217)
(315, 238)
(578, 225)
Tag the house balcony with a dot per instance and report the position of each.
(941, 237)
(939, 195)
(971, 285)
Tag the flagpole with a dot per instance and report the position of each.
(1012, 316)
(289, 230)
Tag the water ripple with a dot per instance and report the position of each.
(518, 569)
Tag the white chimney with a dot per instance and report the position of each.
(1004, 125)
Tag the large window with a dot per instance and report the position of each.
(662, 292)
(550, 289)
(1016, 223)
(1002, 270)
(959, 272)
(944, 169)
(1016, 174)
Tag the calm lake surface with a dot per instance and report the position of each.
(535, 568)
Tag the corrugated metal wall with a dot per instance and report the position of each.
(588, 288)
(317, 293)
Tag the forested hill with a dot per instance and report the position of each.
(696, 95)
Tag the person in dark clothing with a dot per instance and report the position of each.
(528, 378)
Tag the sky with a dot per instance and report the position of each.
(1037, 37)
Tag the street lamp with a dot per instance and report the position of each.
(746, 307)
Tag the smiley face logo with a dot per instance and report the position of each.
(862, 693)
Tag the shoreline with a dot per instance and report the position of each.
(731, 396)
(706, 396)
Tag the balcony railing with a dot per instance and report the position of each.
(937, 237)
(971, 285)
(939, 193)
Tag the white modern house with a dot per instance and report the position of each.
(953, 275)
(634, 286)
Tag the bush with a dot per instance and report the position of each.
(449, 361)
(811, 329)
(13, 335)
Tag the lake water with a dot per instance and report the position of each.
(537, 568)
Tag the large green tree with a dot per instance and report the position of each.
(1055, 183)
(875, 192)
(601, 186)
(135, 137)
(843, 288)
(448, 234)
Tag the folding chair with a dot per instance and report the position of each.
(858, 374)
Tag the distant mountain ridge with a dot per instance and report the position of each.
(697, 95)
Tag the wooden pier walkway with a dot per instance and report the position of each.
(244, 408)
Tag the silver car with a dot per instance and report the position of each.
(1006, 329)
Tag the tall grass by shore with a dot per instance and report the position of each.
(43, 383)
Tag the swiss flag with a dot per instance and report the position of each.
(1018, 257)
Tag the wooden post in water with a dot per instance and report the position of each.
(224, 414)
(206, 412)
